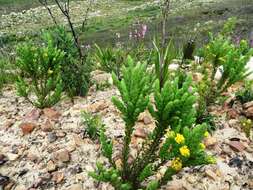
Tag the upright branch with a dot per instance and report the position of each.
(65, 9)
(45, 4)
(87, 14)
(165, 12)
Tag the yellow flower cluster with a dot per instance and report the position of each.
(179, 138)
(45, 55)
(176, 164)
(169, 133)
(211, 160)
(184, 150)
(202, 146)
(206, 134)
(50, 71)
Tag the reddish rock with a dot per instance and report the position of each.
(62, 155)
(140, 132)
(236, 146)
(249, 112)
(97, 106)
(248, 104)
(51, 113)
(58, 177)
(61, 134)
(9, 186)
(211, 174)
(32, 157)
(232, 113)
(51, 166)
(147, 120)
(175, 185)
(228, 102)
(8, 124)
(47, 126)
(250, 183)
(210, 141)
(27, 127)
(75, 187)
(33, 115)
(78, 140)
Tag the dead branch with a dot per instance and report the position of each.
(86, 15)
(165, 13)
(45, 4)
(66, 12)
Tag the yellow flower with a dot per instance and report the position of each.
(211, 160)
(179, 139)
(50, 71)
(184, 150)
(169, 133)
(202, 146)
(206, 134)
(176, 164)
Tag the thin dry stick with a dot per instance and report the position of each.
(165, 13)
(86, 15)
(45, 4)
(65, 11)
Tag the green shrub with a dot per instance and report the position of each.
(174, 143)
(221, 54)
(92, 124)
(246, 125)
(162, 58)
(102, 86)
(3, 75)
(75, 72)
(40, 74)
(246, 93)
(6, 73)
(110, 59)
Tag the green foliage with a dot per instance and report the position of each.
(175, 140)
(227, 57)
(246, 93)
(40, 74)
(75, 72)
(246, 126)
(162, 57)
(188, 50)
(6, 72)
(103, 85)
(223, 56)
(110, 59)
(92, 124)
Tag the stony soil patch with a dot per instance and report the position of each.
(48, 149)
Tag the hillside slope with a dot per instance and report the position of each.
(110, 17)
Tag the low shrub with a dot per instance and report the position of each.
(162, 58)
(7, 74)
(246, 125)
(39, 80)
(222, 57)
(175, 142)
(246, 93)
(92, 124)
(75, 72)
(110, 59)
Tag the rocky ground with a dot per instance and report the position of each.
(48, 149)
